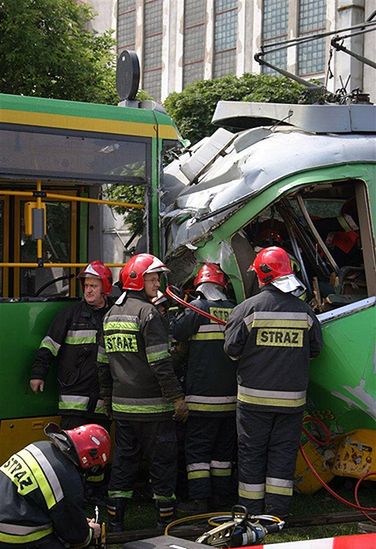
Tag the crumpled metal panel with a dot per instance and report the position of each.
(234, 178)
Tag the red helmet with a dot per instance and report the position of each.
(132, 274)
(91, 444)
(271, 263)
(97, 269)
(210, 272)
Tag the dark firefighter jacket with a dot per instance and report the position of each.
(210, 381)
(134, 362)
(42, 492)
(273, 334)
(73, 339)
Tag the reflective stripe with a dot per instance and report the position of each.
(220, 468)
(211, 404)
(80, 337)
(44, 474)
(122, 318)
(251, 491)
(269, 318)
(198, 470)
(198, 467)
(164, 498)
(99, 408)
(208, 337)
(95, 478)
(102, 358)
(141, 405)
(280, 323)
(119, 494)
(50, 344)
(15, 534)
(121, 325)
(211, 328)
(279, 486)
(73, 402)
(157, 352)
(287, 399)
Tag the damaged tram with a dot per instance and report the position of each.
(302, 177)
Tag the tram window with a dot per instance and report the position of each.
(56, 249)
(75, 156)
(325, 230)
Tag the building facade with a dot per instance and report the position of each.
(182, 41)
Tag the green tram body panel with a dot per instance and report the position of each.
(342, 386)
(23, 326)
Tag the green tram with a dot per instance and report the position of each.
(294, 175)
(55, 159)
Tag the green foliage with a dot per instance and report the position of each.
(193, 108)
(46, 50)
(134, 195)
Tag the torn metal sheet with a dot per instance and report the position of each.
(191, 210)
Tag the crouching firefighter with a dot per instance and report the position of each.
(273, 334)
(138, 382)
(42, 492)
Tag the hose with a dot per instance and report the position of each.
(197, 310)
(324, 442)
(322, 482)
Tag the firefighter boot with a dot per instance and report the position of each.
(165, 512)
(115, 514)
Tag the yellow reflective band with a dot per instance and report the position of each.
(251, 495)
(198, 474)
(283, 491)
(220, 472)
(273, 337)
(208, 336)
(28, 538)
(142, 409)
(153, 357)
(285, 402)
(127, 326)
(266, 323)
(20, 474)
(211, 407)
(121, 343)
(39, 476)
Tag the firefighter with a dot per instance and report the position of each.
(73, 339)
(273, 335)
(210, 386)
(41, 504)
(136, 373)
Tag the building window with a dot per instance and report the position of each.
(274, 29)
(126, 25)
(312, 20)
(152, 58)
(194, 40)
(225, 32)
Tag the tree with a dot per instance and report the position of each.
(46, 50)
(193, 108)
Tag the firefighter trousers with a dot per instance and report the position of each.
(210, 444)
(153, 441)
(268, 443)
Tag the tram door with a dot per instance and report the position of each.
(61, 244)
